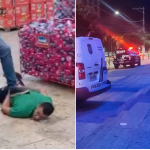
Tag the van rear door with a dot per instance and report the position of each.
(93, 59)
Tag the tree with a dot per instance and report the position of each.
(147, 42)
(110, 44)
(85, 18)
(133, 39)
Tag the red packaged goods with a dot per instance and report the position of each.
(22, 10)
(37, 7)
(35, 16)
(21, 2)
(7, 22)
(64, 9)
(22, 20)
(6, 3)
(50, 3)
(37, 1)
(50, 15)
(56, 61)
(49, 8)
(7, 12)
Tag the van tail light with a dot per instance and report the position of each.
(81, 71)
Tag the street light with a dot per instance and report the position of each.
(122, 14)
(116, 12)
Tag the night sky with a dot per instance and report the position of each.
(125, 6)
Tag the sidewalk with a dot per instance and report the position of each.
(129, 128)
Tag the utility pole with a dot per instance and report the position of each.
(143, 11)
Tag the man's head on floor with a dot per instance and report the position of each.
(43, 111)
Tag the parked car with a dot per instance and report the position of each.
(126, 57)
(91, 69)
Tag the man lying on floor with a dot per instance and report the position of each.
(22, 102)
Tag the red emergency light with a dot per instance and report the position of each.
(130, 47)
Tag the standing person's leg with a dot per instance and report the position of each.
(7, 64)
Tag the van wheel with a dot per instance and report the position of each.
(124, 65)
(116, 66)
(139, 63)
(132, 65)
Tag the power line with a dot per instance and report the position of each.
(134, 3)
(108, 12)
(122, 28)
(118, 23)
(127, 20)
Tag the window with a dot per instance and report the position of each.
(90, 49)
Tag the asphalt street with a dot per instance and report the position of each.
(113, 119)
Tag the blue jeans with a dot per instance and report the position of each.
(7, 64)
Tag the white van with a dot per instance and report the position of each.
(91, 69)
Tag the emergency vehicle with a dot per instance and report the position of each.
(91, 69)
(126, 57)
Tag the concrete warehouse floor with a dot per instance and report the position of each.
(56, 132)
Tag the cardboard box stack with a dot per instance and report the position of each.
(49, 9)
(7, 15)
(16, 13)
(37, 9)
(22, 12)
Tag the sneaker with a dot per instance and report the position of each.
(19, 79)
(18, 91)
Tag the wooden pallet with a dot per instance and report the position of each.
(10, 29)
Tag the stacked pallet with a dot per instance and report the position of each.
(48, 50)
(47, 46)
(7, 14)
(16, 13)
(49, 9)
(22, 12)
(37, 9)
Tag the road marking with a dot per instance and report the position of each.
(123, 124)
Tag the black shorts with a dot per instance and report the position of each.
(13, 92)
(3, 94)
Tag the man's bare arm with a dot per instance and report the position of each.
(6, 104)
(43, 91)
